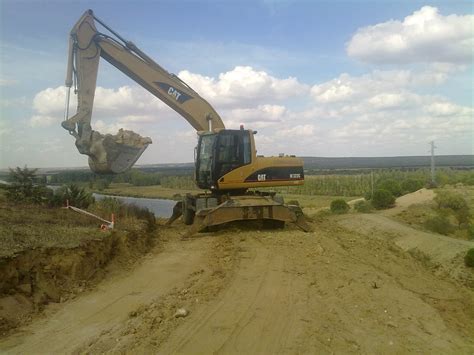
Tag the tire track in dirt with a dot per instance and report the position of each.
(254, 314)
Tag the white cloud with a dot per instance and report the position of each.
(256, 117)
(52, 101)
(384, 109)
(307, 130)
(242, 86)
(242, 95)
(424, 36)
(126, 106)
(382, 88)
(443, 109)
(42, 120)
(371, 114)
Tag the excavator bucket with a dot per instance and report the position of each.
(112, 154)
(240, 208)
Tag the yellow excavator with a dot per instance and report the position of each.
(226, 160)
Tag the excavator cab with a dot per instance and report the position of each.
(219, 153)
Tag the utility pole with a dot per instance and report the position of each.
(433, 175)
(372, 183)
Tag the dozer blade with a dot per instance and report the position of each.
(113, 154)
(248, 208)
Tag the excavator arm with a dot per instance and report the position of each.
(117, 153)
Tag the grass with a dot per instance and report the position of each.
(30, 227)
(25, 226)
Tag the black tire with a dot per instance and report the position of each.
(188, 212)
(188, 216)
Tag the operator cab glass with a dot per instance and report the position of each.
(220, 153)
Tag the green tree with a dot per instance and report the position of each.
(23, 188)
(390, 185)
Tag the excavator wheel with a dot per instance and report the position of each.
(188, 216)
(188, 211)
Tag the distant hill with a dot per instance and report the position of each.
(320, 163)
(310, 163)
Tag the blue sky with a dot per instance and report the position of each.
(348, 96)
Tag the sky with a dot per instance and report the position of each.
(314, 78)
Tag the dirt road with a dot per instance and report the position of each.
(248, 291)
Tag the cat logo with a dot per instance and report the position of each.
(173, 92)
(179, 96)
(295, 176)
(262, 177)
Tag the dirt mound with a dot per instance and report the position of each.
(403, 202)
(442, 254)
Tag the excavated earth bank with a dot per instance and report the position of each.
(33, 278)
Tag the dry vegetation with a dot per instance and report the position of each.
(417, 215)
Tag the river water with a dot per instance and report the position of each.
(160, 207)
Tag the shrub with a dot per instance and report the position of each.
(363, 206)
(391, 185)
(470, 232)
(77, 196)
(469, 258)
(339, 206)
(439, 224)
(463, 217)
(453, 201)
(382, 199)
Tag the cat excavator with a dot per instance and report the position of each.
(227, 166)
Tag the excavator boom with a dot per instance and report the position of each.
(117, 153)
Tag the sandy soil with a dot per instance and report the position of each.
(402, 203)
(333, 290)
